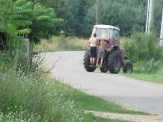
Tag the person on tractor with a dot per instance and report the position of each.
(93, 42)
(101, 52)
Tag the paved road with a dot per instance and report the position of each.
(131, 93)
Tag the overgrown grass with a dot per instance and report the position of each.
(62, 44)
(144, 52)
(27, 99)
(34, 97)
(146, 56)
(37, 97)
(29, 93)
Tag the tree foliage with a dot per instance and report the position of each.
(39, 18)
(29, 19)
(80, 15)
(44, 22)
(12, 21)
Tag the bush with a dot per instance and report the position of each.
(143, 50)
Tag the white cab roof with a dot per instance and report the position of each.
(106, 26)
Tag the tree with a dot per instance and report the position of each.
(44, 22)
(28, 19)
(13, 22)
(79, 15)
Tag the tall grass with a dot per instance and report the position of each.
(28, 95)
(144, 52)
(62, 44)
(32, 95)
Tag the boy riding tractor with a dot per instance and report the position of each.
(114, 57)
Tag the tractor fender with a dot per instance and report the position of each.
(123, 53)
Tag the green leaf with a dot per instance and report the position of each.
(24, 31)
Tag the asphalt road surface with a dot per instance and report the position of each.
(131, 93)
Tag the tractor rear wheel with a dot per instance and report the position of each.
(114, 62)
(86, 62)
(128, 68)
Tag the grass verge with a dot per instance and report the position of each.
(38, 98)
(89, 102)
(32, 96)
(35, 97)
(155, 77)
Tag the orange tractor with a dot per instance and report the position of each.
(115, 57)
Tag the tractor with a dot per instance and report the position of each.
(115, 57)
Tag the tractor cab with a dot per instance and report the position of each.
(109, 33)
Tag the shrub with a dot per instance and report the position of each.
(143, 50)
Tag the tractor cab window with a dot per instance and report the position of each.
(114, 34)
(105, 33)
(94, 31)
(101, 32)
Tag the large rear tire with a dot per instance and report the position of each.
(114, 62)
(86, 62)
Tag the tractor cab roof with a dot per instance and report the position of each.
(106, 26)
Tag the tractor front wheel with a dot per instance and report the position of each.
(128, 68)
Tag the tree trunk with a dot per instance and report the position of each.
(29, 53)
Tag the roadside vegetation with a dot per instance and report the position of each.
(146, 55)
(36, 97)
(27, 94)
(32, 96)
(93, 103)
